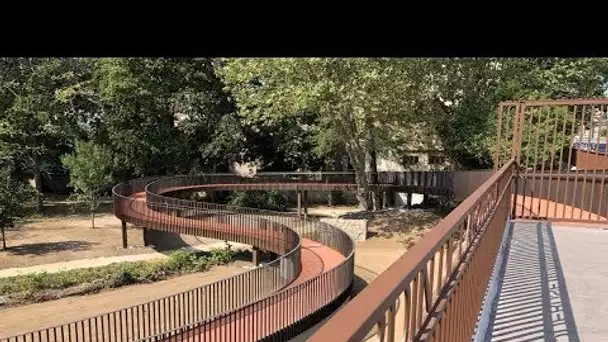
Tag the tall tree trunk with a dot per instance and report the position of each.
(93, 207)
(362, 191)
(330, 166)
(373, 179)
(373, 169)
(3, 237)
(357, 159)
(38, 184)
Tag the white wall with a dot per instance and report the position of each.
(401, 198)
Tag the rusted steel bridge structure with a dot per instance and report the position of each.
(550, 167)
(311, 275)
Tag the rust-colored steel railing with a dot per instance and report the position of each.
(171, 315)
(288, 309)
(560, 146)
(441, 280)
(432, 182)
(202, 303)
(267, 302)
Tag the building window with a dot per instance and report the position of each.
(410, 160)
(436, 160)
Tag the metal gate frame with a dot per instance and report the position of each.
(574, 130)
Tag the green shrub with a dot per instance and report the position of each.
(7, 287)
(276, 201)
(222, 256)
(200, 265)
(25, 287)
(269, 200)
(37, 281)
(241, 199)
(62, 280)
(182, 260)
(119, 279)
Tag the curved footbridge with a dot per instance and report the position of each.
(310, 277)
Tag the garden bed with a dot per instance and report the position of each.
(40, 287)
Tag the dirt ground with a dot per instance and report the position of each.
(64, 238)
(396, 229)
(54, 239)
(323, 210)
(389, 236)
(400, 229)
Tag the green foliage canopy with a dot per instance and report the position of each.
(14, 195)
(355, 98)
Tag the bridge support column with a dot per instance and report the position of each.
(410, 196)
(124, 234)
(299, 203)
(425, 198)
(392, 198)
(147, 239)
(305, 204)
(385, 199)
(256, 254)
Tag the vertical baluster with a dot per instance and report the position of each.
(407, 308)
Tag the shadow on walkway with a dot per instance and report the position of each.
(533, 302)
(50, 247)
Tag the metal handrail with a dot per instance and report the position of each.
(327, 286)
(411, 272)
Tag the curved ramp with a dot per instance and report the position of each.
(311, 277)
(308, 287)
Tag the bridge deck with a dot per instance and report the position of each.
(554, 285)
(436, 189)
(316, 259)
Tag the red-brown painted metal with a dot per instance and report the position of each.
(534, 141)
(440, 281)
(466, 243)
(562, 153)
(274, 301)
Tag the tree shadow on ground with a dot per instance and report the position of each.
(407, 227)
(50, 247)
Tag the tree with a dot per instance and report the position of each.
(14, 195)
(33, 128)
(355, 99)
(289, 144)
(90, 172)
(159, 115)
(81, 101)
(213, 136)
(155, 116)
(465, 93)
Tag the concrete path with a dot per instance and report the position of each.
(554, 285)
(96, 262)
